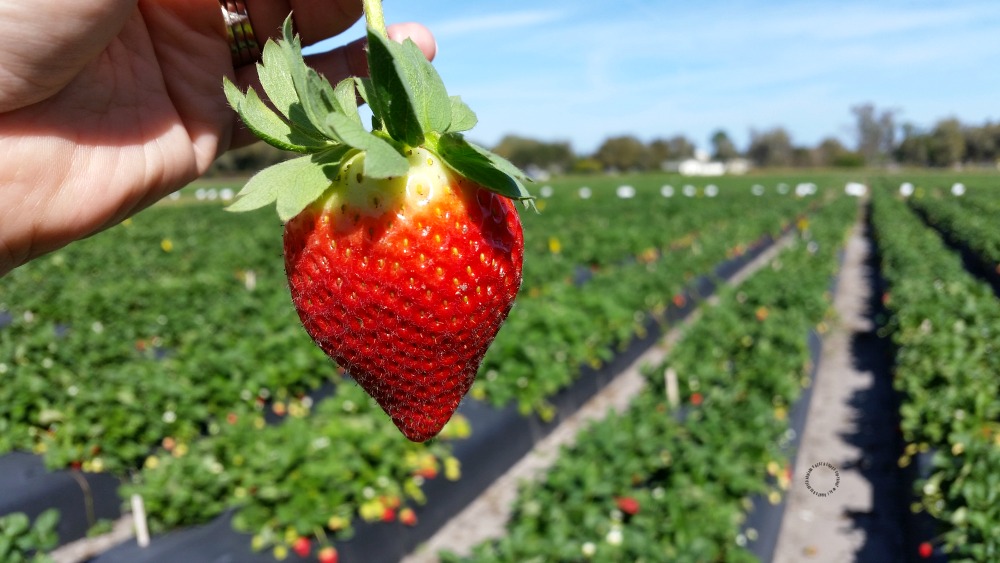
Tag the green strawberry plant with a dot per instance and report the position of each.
(24, 541)
(944, 323)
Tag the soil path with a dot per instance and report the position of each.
(844, 503)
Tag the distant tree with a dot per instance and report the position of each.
(659, 152)
(723, 147)
(675, 148)
(947, 143)
(529, 153)
(832, 152)
(876, 132)
(981, 143)
(770, 148)
(915, 147)
(681, 147)
(623, 153)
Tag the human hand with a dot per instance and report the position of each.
(106, 106)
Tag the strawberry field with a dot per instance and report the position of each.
(162, 360)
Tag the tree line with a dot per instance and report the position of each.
(880, 139)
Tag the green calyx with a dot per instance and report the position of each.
(410, 106)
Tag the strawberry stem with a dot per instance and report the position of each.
(374, 17)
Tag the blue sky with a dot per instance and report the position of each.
(566, 70)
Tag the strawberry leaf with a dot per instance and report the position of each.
(407, 94)
(483, 167)
(364, 86)
(462, 116)
(346, 99)
(309, 175)
(267, 125)
(382, 160)
(273, 72)
(390, 97)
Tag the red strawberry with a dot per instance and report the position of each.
(328, 555)
(388, 514)
(302, 547)
(697, 398)
(926, 550)
(403, 248)
(408, 517)
(627, 505)
(406, 284)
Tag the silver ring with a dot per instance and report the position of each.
(242, 43)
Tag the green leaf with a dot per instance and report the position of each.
(47, 520)
(433, 106)
(309, 86)
(382, 160)
(364, 86)
(267, 125)
(293, 184)
(482, 167)
(346, 99)
(462, 116)
(388, 95)
(275, 78)
(393, 92)
(15, 524)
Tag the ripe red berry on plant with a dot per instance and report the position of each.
(302, 547)
(403, 247)
(627, 505)
(926, 550)
(327, 555)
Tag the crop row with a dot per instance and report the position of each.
(572, 233)
(556, 328)
(946, 325)
(662, 482)
(970, 223)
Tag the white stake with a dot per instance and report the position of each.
(673, 394)
(139, 517)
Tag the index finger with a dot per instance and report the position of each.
(314, 20)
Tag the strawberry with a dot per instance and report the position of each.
(328, 555)
(403, 247)
(627, 505)
(302, 547)
(388, 514)
(408, 517)
(925, 549)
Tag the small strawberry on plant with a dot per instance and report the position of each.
(403, 247)
(388, 514)
(408, 517)
(925, 549)
(302, 547)
(328, 555)
(627, 505)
